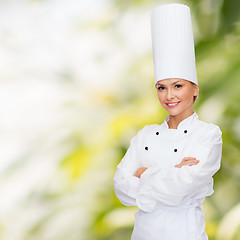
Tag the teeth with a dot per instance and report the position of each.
(172, 104)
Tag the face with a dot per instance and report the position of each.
(176, 95)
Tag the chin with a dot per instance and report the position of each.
(174, 112)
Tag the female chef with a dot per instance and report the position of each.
(168, 169)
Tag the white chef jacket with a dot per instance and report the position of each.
(170, 198)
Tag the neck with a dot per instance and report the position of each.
(174, 120)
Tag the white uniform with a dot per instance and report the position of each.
(170, 198)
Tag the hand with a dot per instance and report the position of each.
(188, 161)
(140, 171)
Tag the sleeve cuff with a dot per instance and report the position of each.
(133, 186)
(148, 172)
(145, 200)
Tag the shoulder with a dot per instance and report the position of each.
(142, 133)
(147, 129)
(208, 133)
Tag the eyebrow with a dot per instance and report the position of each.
(160, 84)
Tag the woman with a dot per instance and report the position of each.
(167, 171)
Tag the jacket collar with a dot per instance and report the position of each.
(186, 123)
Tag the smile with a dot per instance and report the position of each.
(171, 105)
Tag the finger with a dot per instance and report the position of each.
(190, 162)
(188, 158)
(193, 163)
(187, 162)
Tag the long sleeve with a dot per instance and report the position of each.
(172, 186)
(125, 183)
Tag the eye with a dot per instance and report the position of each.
(160, 88)
(178, 86)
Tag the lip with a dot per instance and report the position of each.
(173, 105)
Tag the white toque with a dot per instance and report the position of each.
(173, 43)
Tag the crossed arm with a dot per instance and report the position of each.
(187, 161)
(171, 185)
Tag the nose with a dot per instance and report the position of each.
(170, 94)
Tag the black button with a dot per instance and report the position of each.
(146, 148)
(157, 133)
(185, 131)
(175, 150)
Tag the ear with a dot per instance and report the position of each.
(196, 90)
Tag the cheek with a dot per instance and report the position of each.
(160, 97)
(185, 95)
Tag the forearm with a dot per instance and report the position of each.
(126, 187)
(172, 185)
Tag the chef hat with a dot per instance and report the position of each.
(173, 43)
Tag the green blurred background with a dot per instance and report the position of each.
(76, 84)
